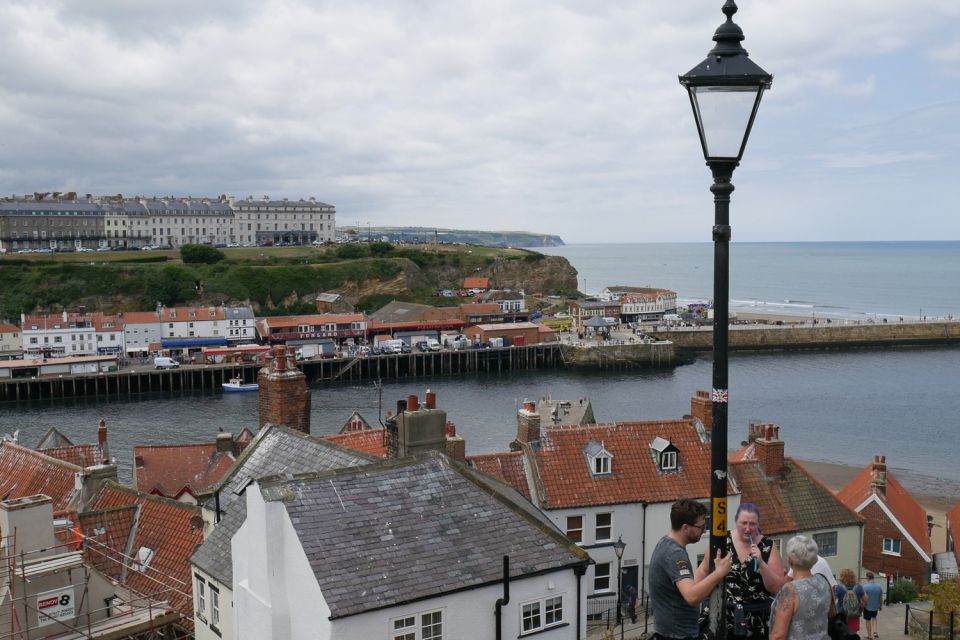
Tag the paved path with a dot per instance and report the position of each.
(890, 627)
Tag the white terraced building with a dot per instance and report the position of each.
(68, 223)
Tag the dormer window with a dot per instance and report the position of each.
(598, 458)
(666, 454)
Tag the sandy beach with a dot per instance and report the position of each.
(936, 495)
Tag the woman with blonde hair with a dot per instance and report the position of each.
(803, 607)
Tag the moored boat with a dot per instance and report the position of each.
(236, 384)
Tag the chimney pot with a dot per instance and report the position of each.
(431, 399)
(413, 403)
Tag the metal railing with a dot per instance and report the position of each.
(926, 624)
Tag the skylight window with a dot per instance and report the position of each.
(144, 556)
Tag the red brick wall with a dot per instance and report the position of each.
(878, 526)
(701, 407)
(284, 394)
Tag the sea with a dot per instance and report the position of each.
(839, 406)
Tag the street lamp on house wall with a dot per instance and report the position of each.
(725, 91)
(618, 548)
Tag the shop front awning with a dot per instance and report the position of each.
(186, 343)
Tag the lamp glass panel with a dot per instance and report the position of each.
(724, 115)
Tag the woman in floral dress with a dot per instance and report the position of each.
(757, 574)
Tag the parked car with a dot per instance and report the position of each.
(161, 362)
(423, 346)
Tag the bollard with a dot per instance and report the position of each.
(951, 624)
(906, 621)
(930, 627)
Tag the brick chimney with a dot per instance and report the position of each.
(456, 445)
(284, 394)
(878, 475)
(769, 450)
(701, 408)
(528, 424)
(416, 428)
(102, 441)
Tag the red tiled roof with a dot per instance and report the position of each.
(82, 455)
(141, 317)
(442, 313)
(369, 441)
(276, 322)
(790, 503)
(191, 314)
(171, 529)
(25, 472)
(907, 511)
(476, 282)
(9, 328)
(481, 308)
(169, 469)
(634, 477)
(506, 467)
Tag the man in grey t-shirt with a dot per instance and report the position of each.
(676, 589)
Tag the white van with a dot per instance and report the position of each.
(160, 362)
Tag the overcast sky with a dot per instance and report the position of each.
(554, 117)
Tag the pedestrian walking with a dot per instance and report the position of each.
(850, 600)
(873, 605)
(676, 589)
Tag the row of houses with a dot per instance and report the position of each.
(625, 304)
(61, 222)
(187, 330)
(398, 528)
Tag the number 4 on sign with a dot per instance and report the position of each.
(719, 519)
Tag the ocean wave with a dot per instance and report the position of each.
(768, 304)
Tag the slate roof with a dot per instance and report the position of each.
(415, 528)
(506, 467)
(54, 438)
(369, 441)
(131, 520)
(635, 476)
(908, 512)
(170, 469)
(25, 472)
(274, 450)
(399, 311)
(565, 411)
(793, 502)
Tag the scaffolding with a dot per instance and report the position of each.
(132, 614)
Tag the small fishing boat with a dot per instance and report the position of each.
(237, 384)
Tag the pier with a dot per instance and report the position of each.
(132, 380)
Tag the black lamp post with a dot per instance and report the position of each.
(618, 548)
(725, 91)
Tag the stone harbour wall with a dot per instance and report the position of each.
(745, 338)
(620, 356)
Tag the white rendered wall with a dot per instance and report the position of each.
(202, 630)
(470, 614)
(276, 594)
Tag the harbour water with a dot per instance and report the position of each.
(853, 280)
(841, 407)
(837, 407)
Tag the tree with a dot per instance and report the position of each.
(200, 253)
